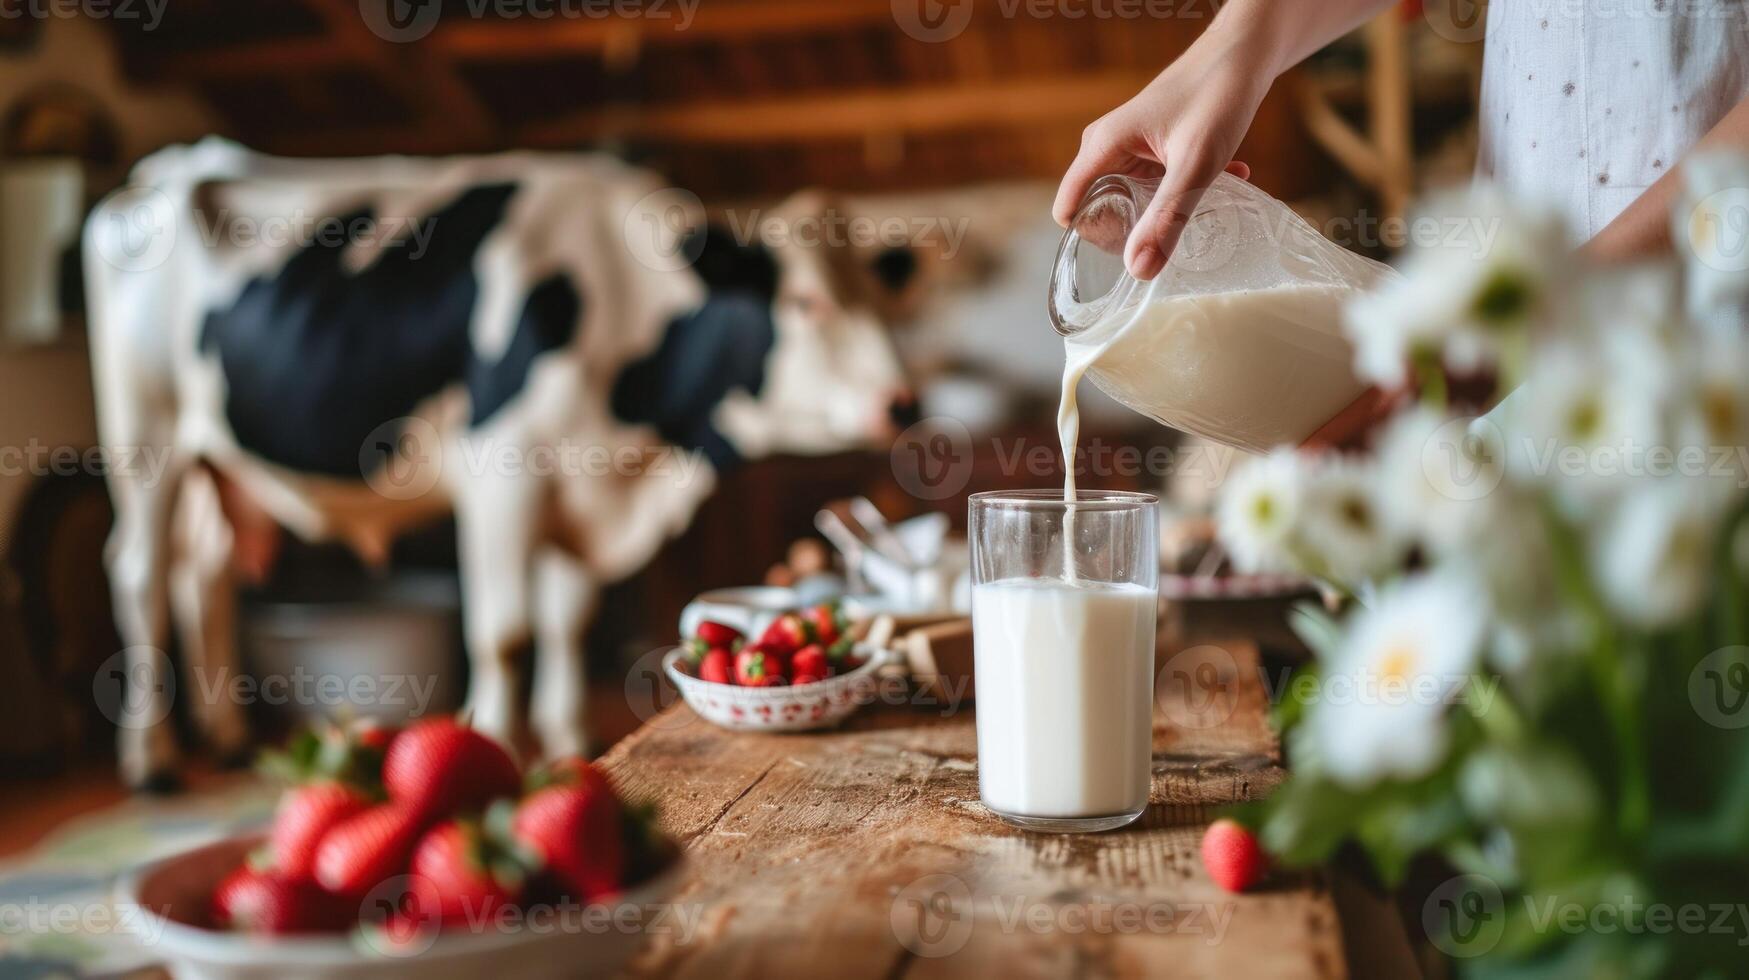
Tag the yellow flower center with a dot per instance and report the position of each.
(1355, 513)
(1585, 419)
(1396, 665)
(1719, 408)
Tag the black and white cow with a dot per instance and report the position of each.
(270, 327)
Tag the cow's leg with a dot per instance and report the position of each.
(138, 557)
(496, 519)
(564, 601)
(203, 598)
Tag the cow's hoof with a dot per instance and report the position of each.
(158, 784)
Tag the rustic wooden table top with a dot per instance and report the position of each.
(864, 852)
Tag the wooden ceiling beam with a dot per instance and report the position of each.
(1022, 102)
(503, 39)
(282, 56)
(422, 78)
(510, 39)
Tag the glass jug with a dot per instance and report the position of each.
(1239, 339)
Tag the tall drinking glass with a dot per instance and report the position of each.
(1064, 597)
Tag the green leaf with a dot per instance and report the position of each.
(1316, 628)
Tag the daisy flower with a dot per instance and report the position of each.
(1343, 526)
(1381, 713)
(1652, 557)
(1259, 511)
(1467, 299)
(1438, 477)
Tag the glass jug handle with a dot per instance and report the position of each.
(1088, 278)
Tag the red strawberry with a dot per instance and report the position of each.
(305, 814)
(363, 851)
(577, 835)
(809, 665)
(787, 633)
(351, 754)
(440, 767)
(828, 622)
(263, 901)
(718, 667)
(570, 770)
(755, 667)
(718, 635)
(1231, 855)
(374, 735)
(473, 879)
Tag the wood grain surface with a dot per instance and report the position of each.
(864, 852)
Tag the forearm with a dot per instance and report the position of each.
(1643, 230)
(1287, 32)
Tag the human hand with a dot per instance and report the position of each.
(1183, 128)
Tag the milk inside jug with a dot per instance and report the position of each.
(1239, 339)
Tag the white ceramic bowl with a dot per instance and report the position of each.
(172, 896)
(822, 704)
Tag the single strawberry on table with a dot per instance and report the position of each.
(577, 836)
(474, 877)
(251, 900)
(809, 665)
(1231, 855)
(758, 667)
(440, 767)
(364, 851)
(305, 815)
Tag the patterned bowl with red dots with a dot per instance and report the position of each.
(821, 704)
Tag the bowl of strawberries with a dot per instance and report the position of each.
(807, 669)
(422, 852)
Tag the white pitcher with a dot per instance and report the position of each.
(1239, 339)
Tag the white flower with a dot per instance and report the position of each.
(1343, 526)
(1710, 227)
(1711, 416)
(1381, 712)
(1467, 293)
(1259, 510)
(1438, 477)
(1583, 428)
(1652, 558)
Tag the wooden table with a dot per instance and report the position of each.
(864, 852)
